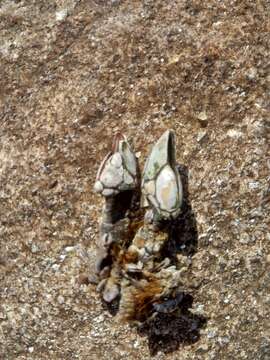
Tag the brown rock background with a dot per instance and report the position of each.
(72, 74)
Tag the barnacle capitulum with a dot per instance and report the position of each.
(118, 170)
(161, 184)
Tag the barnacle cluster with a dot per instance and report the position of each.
(130, 265)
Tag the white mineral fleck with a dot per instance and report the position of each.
(202, 116)
(61, 14)
(235, 134)
(61, 299)
(69, 249)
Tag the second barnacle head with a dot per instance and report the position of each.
(161, 184)
(118, 171)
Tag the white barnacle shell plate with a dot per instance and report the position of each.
(167, 190)
(118, 170)
(161, 184)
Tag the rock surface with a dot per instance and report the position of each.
(72, 74)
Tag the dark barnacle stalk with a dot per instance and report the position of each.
(117, 179)
(108, 214)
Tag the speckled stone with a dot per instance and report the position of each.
(69, 83)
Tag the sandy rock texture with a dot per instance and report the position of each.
(72, 74)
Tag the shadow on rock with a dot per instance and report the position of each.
(183, 234)
(166, 332)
